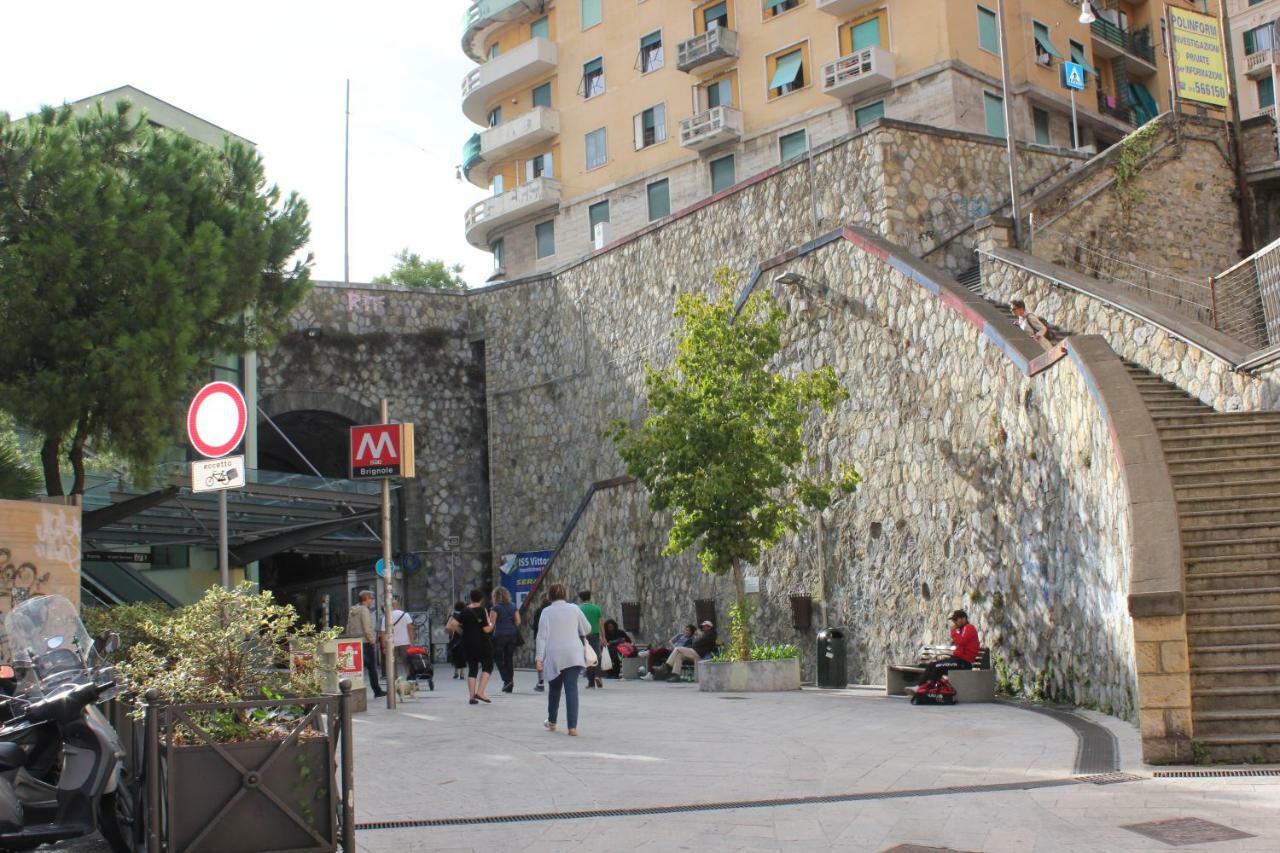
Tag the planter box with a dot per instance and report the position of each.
(749, 676)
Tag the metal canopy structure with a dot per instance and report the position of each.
(272, 513)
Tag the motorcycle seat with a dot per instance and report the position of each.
(12, 756)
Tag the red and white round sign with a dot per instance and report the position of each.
(217, 419)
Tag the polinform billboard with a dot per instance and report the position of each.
(1200, 65)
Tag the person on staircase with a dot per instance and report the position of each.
(1031, 324)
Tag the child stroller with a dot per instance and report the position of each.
(420, 666)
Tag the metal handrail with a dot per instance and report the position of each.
(1137, 42)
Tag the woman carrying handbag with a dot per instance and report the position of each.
(562, 655)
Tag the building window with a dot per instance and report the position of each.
(495, 116)
(542, 95)
(1266, 93)
(1257, 39)
(538, 167)
(988, 31)
(659, 194)
(774, 8)
(545, 233)
(1040, 119)
(650, 58)
(497, 184)
(493, 50)
(865, 115)
(592, 78)
(540, 29)
(993, 106)
(597, 153)
(590, 13)
(793, 144)
(598, 215)
(1045, 51)
(651, 126)
(715, 16)
(722, 174)
(860, 35)
(1079, 57)
(719, 93)
(788, 73)
(499, 250)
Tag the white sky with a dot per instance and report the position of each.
(272, 71)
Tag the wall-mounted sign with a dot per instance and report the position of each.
(117, 557)
(520, 572)
(381, 450)
(1198, 57)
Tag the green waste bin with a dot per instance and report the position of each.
(832, 656)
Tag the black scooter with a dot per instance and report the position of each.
(83, 788)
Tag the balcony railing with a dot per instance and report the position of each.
(537, 125)
(707, 50)
(1120, 111)
(1269, 112)
(711, 127)
(524, 64)
(1258, 64)
(1136, 43)
(481, 13)
(858, 73)
(528, 199)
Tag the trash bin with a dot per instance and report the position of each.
(832, 657)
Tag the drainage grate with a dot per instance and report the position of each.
(1096, 749)
(1109, 778)
(1185, 831)
(1211, 774)
(732, 698)
(643, 811)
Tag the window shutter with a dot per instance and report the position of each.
(638, 130)
(788, 69)
(660, 123)
(528, 170)
(547, 168)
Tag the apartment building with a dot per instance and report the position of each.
(601, 116)
(1253, 33)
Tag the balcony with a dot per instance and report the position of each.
(843, 7)
(858, 74)
(1269, 112)
(1135, 48)
(519, 66)
(537, 125)
(483, 15)
(471, 158)
(710, 128)
(708, 52)
(1258, 64)
(1121, 111)
(529, 199)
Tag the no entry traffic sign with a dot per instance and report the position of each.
(217, 419)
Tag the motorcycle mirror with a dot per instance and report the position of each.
(55, 642)
(112, 643)
(7, 673)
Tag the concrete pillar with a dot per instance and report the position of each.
(994, 232)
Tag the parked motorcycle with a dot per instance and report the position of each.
(61, 762)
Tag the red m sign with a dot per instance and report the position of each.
(381, 450)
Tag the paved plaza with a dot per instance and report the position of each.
(644, 746)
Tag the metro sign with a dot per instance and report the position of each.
(381, 450)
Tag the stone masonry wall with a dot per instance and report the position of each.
(411, 347)
(984, 489)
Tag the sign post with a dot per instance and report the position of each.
(216, 422)
(380, 452)
(1072, 77)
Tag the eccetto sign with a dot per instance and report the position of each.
(1198, 57)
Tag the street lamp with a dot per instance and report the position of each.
(1086, 12)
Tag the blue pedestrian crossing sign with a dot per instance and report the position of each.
(1072, 75)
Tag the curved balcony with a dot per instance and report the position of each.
(527, 200)
(521, 65)
(482, 16)
(471, 157)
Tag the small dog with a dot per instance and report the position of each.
(406, 688)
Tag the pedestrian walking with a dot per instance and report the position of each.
(506, 634)
(537, 618)
(592, 612)
(401, 637)
(560, 657)
(360, 626)
(476, 626)
(453, 627)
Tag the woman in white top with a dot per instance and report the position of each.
(560, 657)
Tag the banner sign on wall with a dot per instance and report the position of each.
(1201, 68)
(521, 571)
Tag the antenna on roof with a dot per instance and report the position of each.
(346, 193)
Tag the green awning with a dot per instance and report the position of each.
(651, 39)
(771, 3)
(1144, 105)
(1080, 60)
(1047, 46)
(787, 71)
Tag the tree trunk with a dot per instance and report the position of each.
(742, 640)
(76, 457)
(49, 462)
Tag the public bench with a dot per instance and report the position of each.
(972, 685)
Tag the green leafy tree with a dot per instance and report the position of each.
(722, 447)
(411, 270)
(128, 255)
(18, 481)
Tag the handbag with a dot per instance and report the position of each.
(589, 653)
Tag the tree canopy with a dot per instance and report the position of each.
(129, 256)
(411, 270)
(722, 446)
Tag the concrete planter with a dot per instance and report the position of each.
(749, 676)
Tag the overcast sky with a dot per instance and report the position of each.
(272, 71)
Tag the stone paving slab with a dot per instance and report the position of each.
(647, 744)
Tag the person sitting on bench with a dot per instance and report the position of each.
(965, 639)
(704, 645)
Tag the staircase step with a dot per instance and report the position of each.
(1255, 596)
(1249, 675)
(1174, 434)
(1241, 634)
(1238, 614)
(1256, 721)
(1256, 654)
(1234, 444)
(1234, 511)
(1188, 487)
(1262, 526)
(1241, 546)
(1223, 463)
(1212, 417)
(1202, 581)
(1242, 749)
(1236, 698)
(1261, 562)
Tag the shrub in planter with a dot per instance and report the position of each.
(130, 621)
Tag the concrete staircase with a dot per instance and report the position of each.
(1226, 476)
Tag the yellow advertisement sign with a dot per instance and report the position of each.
(1198, 56)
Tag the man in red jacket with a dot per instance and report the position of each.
(964, 637)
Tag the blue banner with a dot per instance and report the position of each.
(522, 571)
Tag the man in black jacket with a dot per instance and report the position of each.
(704, 645)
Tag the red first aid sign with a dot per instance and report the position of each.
(350, 657)
(381, 450)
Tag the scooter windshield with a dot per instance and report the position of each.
(45, 641)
